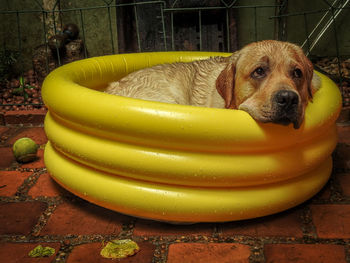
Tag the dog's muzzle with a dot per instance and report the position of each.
(286, 104)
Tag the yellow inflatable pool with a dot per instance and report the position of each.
(174, 162)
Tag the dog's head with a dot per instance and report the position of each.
(271, 80)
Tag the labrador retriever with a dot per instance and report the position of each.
(271, 80)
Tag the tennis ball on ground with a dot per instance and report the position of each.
(24, 150)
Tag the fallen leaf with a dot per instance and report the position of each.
(120, 249)
(41, 251)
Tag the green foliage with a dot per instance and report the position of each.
(41, 251)
(21, 90)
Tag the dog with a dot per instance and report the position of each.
(271, 80)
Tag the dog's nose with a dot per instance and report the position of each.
(286, 104)
(286, 100)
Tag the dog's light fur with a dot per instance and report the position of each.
(229, 82)
(180, 83)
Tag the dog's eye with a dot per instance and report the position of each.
(297, 73)
(258, 73)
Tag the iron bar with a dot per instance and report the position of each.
(163, 27)
(200, 29)
(83, 31)
(137, 29)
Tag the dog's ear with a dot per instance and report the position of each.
(226, 81)
(310, 77)
(315, 83)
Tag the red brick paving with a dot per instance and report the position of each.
(35, 210)
(342, 157)
(212, 252)
(325, 193)
(79, 217)
(286, 224)
(19, 218)
(33, 117)
(153, 228)
(90, 253)
(3, 129)
(18, 252)
(10, 181)
(344, 180)
(37, 134)
(46, 186)
(344, 132)
(331, 221)
(308, 253)
(7, 157)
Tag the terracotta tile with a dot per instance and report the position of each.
(344, 133)
(325, 193)
(46, 186)
(33, 117)
(344, 116)
(287, 223)
(90, 253)
(331, 221)
(341, 160)
(19, 218)
(18, 252)
(83, 218)
(10, 181)
(344, 180)
(212, 252)
(35, 133)
(154, 228)
(7, 157)
(304, 253)
(3, 129)
(7, 134)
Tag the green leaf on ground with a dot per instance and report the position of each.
(41, 251)
(120, 249)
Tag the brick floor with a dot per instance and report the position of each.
(308, 253)
(37, 134)
(283, 224)
(343, 132)
(11, 180)
(331, 221)
(325, 193)
(212, 252)
(82, 218)
(19, 218)
(32, 117)
(3, 129)
(90, 253)
(344, 180)
(35, 210)
(342, 157)
(46, 186)
(18, 252)
(153, 228)
(8, 133)
(7, 157)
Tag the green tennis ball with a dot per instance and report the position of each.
(25, 150)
